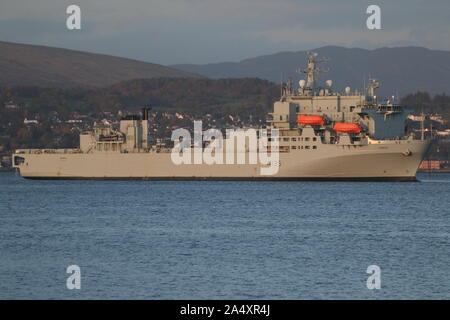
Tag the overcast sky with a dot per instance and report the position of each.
(204, 31)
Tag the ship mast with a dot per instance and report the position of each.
(311, 71)
(373, 85)
(422, 129)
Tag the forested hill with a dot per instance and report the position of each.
(61, 113)
(197, 96)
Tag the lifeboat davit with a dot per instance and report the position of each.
(347, 127)
(310, 120)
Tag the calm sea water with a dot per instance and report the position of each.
(224, 240)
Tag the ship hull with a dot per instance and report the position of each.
(265, 179)
(386, 161)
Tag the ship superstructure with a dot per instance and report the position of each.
(322, 135)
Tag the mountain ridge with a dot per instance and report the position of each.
(400, 69)
(25, 64)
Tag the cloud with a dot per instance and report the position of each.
(298, 35)
(202, 31)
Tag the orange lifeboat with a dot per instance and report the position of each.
(347, 127)
(310, 120)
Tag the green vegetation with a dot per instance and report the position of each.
(53, 107)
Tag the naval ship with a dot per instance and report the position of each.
(321, 135)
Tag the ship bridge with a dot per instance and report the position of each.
(380, 120)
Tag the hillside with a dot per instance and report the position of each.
(402, 69)
(22, 64)
(62, 113)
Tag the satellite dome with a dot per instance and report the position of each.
(347, 90)
(329, 83)
(301, 83)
